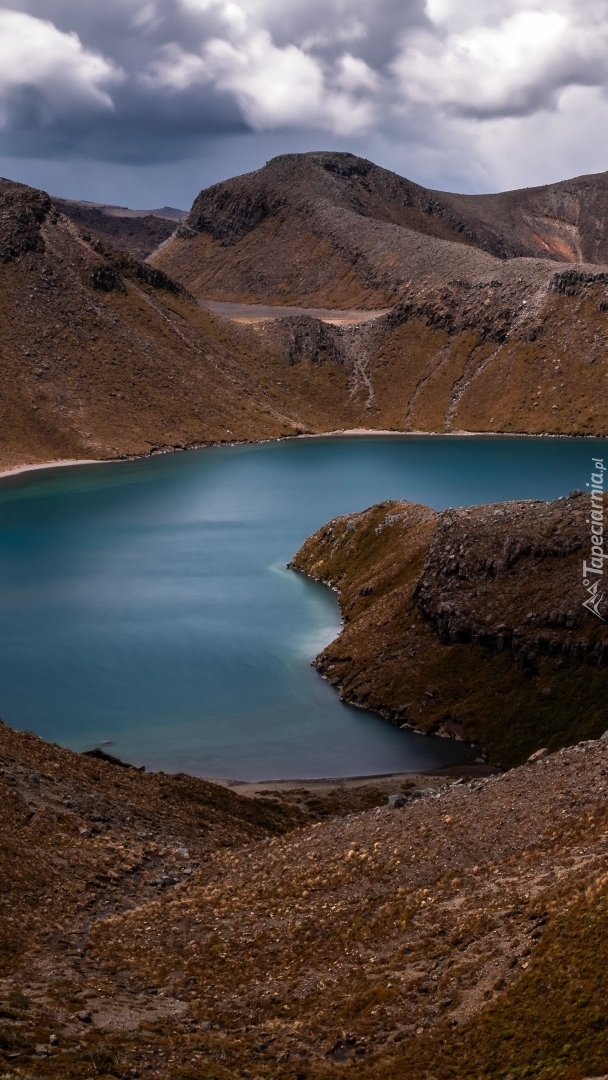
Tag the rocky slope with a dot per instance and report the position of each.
(103, 356)
(468, 622)
(334, 227)
(321, 229)
(160, 926)
(489, 330)
(415, 942)
(137, 231)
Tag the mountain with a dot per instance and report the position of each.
(332, 229)
(104, 356)
(137, 231)
(491, 327)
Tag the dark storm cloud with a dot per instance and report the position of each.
(145, 79)
(154, 80)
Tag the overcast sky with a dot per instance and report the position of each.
(143, 102)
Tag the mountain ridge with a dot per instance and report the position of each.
(471, 342)
(563, 222)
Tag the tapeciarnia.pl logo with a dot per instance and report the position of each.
(593, 571)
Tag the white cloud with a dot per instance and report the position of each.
(36, 57)
(354, 74)
(450, 91)
(275, 87)
(513, 67)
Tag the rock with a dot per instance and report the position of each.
(42, 1051)
(84, 1016)
(205, 1025)
(537, 755)
(604, 736)
(395, 801)
(53, 1040)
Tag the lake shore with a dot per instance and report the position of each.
(63, 463)
(15, 470)
(390, 783)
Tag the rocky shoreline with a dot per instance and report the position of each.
(468, 623)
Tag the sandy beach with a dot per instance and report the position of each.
(387, 783)
(51, 465)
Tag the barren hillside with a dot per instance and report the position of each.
(161, 927)
(321, 229)
(334, 229)
(489, 331)
(103, 356)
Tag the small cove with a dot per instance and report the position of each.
(146, 605)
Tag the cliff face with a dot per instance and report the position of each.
(469, 622)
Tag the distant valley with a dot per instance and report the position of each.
(137, 231)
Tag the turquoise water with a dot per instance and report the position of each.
(146, 604)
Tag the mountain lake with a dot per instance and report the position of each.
(146, 607)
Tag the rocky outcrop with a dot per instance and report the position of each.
(469, 623)
(22, 213)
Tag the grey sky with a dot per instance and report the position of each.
(145, 101)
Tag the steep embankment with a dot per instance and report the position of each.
(468, 622)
